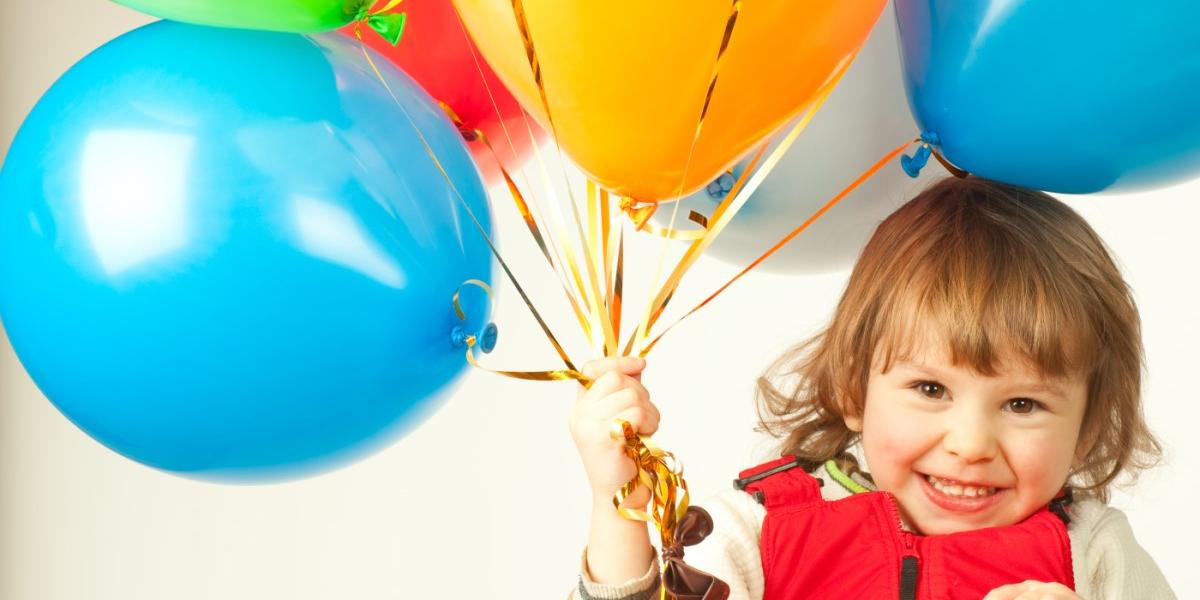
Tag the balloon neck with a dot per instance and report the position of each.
(364, 10)
(486, 340)
(721, 186)
(912, 165)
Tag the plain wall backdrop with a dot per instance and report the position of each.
(486, 498)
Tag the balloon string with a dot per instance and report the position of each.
(526, 213)
(655, 467)
(471, 213)
(726, 36)
(525, 208)
(471, 341)
(614, 272)
(742, 190)
(591, 291)
(789, 237)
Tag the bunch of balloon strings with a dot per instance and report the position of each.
(590, 269)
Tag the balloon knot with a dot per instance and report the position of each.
(458, 337)
(721, 186)
(912, 165)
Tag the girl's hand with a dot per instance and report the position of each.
(1032, 590)
(616, 393)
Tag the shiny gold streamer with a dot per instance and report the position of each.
(639, 216)
(890, 156)
(479, 226)
(523, 209)
(683, 235)
(601, 294)
(730, 23)
(590, 292)
(737, 197)
(470, 341)
(655, 467)
(388, 7)
(655, 308)
(659, 471)
(616, 288)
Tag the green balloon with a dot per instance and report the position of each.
(299, 16)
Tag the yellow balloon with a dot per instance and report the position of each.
(625, 81)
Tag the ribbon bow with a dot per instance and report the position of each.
(680, 580)
(389, 25)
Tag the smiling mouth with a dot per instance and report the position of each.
(958, 490)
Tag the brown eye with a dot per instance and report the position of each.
(1022, 406)
(930, 389)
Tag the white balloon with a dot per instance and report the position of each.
(864, 118)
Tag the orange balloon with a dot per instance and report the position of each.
(625, 81)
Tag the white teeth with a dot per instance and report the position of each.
(959, 490)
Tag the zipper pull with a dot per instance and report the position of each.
(908, 577)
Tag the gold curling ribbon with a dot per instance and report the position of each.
(591, 291)
(890, 156)
(745, 186)
(656, 468)
(639, 215)
(953, 170)
(568, 258)
(662, 474)
(659, 471)
(470, 340)
(475, 135)
(647, 322)
(467, 208)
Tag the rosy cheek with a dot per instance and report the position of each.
(1040, 464)
(891, 446)
(901, 435)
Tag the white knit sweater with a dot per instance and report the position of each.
(1108, 562)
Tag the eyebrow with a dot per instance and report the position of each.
(1038, 387)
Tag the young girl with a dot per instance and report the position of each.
(985, 361)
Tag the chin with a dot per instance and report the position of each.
(947, 526)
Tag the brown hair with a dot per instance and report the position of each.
(992, 268)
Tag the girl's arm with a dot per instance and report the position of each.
(730, 553)
(618, 549)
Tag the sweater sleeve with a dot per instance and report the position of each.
(1109, 563)
(640, 588)
(730, 553)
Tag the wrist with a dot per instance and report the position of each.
(638, 500)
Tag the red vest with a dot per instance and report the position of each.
(856, 548)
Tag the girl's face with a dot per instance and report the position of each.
(962, 451)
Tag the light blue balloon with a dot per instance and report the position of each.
(1059, 95)
(227, 253)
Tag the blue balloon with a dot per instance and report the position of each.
(1058, 95)
(227, 253)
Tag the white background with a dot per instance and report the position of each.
(486, 498)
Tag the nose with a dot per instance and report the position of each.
(969, 436)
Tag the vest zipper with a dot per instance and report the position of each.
(909, 562)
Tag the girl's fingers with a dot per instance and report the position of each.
(623, 399)
(606, 383)
(1029, 590)
(628, 365)
(610, 383)
(643, 420)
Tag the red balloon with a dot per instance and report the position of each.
(437, 52)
